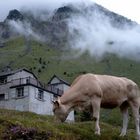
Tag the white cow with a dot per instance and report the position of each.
(101, 91)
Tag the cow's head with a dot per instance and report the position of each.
(60, 110)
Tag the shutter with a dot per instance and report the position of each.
(26, 91)
(6, 96)
(36, 93)
(13, 93)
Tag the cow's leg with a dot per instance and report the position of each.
(96, 113)
(124, 111)
(135, 110)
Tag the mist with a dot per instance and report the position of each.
(33, 5)
(89, 31)
(93, 32)
(25, 29)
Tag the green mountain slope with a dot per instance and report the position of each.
(45, 61)
(15, 125)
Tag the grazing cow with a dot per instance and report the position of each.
(100, 91)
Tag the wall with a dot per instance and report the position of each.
(55, 80)
(14, 103)
(63, 87)
(70, 117)
(40, 106)
(60, 86)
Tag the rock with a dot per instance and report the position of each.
(15, 15)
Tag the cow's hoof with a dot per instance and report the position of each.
(122, 134)
(97, 133)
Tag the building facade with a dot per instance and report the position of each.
(21, 90)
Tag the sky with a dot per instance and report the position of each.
(128, 8)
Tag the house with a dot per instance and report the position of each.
(58, 84)
(21, 90)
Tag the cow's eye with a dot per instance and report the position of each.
(54, 110)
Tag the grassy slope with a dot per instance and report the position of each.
(45, 62)
(46, 128)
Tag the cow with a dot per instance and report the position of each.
(100, 91)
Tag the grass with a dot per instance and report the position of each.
(46, 128)
(45, 61)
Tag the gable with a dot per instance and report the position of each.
(20, 74)
(55, 80)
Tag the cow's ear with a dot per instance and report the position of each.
(56, 103)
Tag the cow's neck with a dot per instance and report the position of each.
(68, 106)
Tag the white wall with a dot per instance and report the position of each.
(15, 103)
(70, 117)
(55, 80)
(40, 106)
(20, 74)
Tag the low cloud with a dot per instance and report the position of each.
(34, 5)
(94, 32)
(25, 29)
(90, 31)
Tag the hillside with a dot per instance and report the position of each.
(15, 125)
(45, 61)
(49, 43)
(53, 27)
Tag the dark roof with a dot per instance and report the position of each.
(15, 71)
(61, 80)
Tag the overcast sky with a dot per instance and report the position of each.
(128, 8)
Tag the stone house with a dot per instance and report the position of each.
(21, 90)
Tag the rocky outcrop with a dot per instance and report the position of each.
(54, 30)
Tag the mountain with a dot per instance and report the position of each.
(42, 43)
(54, 29)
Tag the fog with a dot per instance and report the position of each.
(93, 32)
(25, 29)
(34, 5)
(90, 31)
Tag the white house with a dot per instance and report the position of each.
(21, 90)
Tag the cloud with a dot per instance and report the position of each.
(93, 32)
(90, 31)
(7, 5)
(25, 29)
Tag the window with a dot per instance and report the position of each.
(40, 95)
(2, 97)
(20, 92)
(3, 80)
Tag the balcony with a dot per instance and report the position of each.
(27, 81)
(35, 82)
(56, 91)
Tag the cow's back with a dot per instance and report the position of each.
(116, 90)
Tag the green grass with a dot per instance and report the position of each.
(45, 125)
(45, 61)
